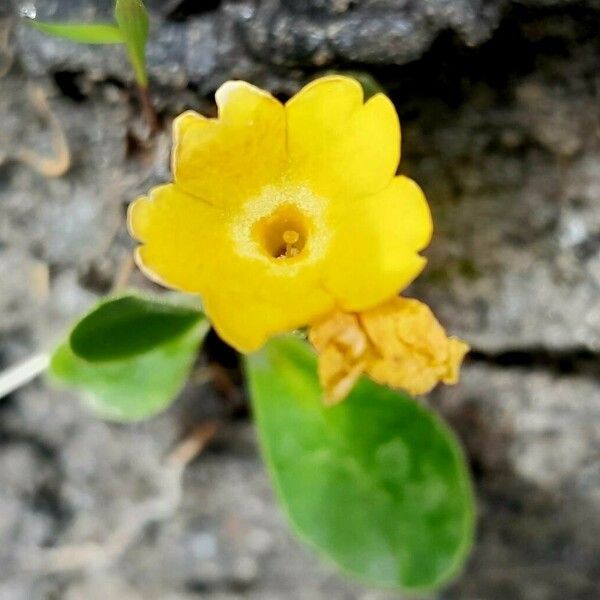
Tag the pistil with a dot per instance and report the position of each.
(291, 237)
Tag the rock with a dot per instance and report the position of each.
(52, 224)
(21, 295)
(514, 187)
(533, 436)
(74, 220)
(372, 32)
(249, 40)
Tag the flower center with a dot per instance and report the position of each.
(283, 234)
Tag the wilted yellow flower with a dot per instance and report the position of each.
(280, 214)
(400, 344)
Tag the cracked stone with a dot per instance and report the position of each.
(245, 40)
(514, 261)
(534, 436)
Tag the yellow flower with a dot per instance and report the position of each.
(400, 344)
(280, 214)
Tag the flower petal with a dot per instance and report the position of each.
(343, 348)
(229, 159)
(374, 251)
(181, 234)
(246, 322)
(411, 350)
(340, 145)
(398, 343)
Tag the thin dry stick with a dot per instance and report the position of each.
(192, 445)
(50, 166)
(93, 556)
(6, 54)
(88, 556)
(20, 374)
(124, 272)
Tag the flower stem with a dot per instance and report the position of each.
(148, 109)
(20, 374)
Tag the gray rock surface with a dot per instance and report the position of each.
(504, 138)
(534, 437)
(514, 183)
(264, 41)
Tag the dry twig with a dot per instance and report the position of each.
(7, 56)
(53, 166)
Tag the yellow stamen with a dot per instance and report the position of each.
(291, 237)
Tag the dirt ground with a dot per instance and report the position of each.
(500, 107)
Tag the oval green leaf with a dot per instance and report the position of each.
(132, 19)
(123, 327)
(135, 388)
(377, 483)
(85, 33)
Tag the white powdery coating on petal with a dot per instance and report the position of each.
(271, 198)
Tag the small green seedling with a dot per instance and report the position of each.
(130, 29)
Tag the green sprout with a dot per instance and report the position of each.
(130, 28)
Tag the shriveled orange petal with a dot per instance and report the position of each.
(399, 343)
(412, 351)
(342, 346)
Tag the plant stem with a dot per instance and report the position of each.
(148, 108)
(20, 374)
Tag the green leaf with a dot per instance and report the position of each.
(85, 33)
(122, 327)
(135, 388)
(377, 483)
(132, 19)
